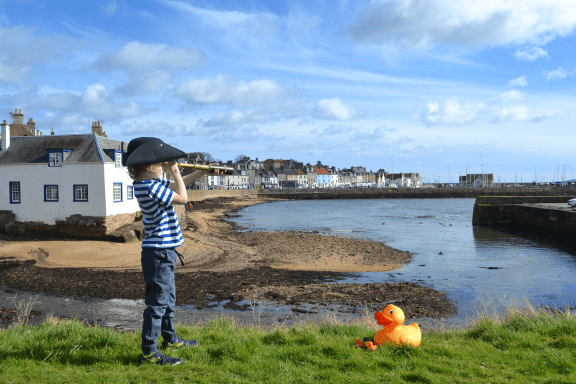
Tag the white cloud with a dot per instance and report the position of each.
(507, 96)
(335, 109)
(497, 109)
(523, 113)
(451, 112)
(159, 128)
(258, 26)
(533, 54)
(136, 55)
(557, 74)
(235, 118)
(145, 83)
(22, 50)
(95, 94)
(223, 90)
(423, 23)
(253, 25)
(518, 82)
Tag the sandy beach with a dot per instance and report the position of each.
(222, 263)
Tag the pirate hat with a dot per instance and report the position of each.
(148, 150)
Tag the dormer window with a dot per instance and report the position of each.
(55, 159)
(118, 159)
(57, 156)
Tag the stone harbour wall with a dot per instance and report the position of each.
(525, 215)
(75, 226)
(410, 193)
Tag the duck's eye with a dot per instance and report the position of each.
(391, 311)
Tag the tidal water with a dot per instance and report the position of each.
(476, 267)
(480, 269)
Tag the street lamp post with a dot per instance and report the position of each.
(392, 175)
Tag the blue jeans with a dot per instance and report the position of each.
(158, 266)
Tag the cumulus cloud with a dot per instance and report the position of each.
(95, 94)
(557, 74)
(531, 55)
(451, 112)
(223, 90)
(335, 109)
(518, 82)
(423, 23)
(136, 55)
(523, 113)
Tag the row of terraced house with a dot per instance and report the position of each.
(281, 174)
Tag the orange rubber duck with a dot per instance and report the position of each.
(394, 332)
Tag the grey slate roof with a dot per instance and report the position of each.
(33, 149)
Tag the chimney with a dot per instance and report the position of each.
(5, 135)
(97, 129)
(31, 125)
(52, 133)
(18, 117)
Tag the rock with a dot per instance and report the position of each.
(440, 253)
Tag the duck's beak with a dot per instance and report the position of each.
(381, 319)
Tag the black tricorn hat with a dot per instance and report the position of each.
(148, 150)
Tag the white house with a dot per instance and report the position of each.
(45, 179)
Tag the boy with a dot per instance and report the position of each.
(146, 158)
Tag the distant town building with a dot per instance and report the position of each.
(477, 180)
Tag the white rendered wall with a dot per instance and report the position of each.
(33, 178)
(118, 175)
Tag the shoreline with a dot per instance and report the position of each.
(226, 266)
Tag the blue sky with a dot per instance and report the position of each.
(421, 85)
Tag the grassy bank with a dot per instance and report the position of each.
(525, 347)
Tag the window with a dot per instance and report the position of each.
(50, 193)
(117, 192)
(118, 159)
(80, 193)
(130, 192)
(55, 159)
(14, 192)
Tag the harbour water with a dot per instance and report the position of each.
(476, 267)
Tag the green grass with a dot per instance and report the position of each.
(524, 347)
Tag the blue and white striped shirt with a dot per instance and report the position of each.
(159, 218)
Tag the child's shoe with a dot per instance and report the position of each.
(159, 359)
(178, 342)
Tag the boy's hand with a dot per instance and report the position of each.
(171, 167)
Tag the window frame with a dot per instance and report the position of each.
(75, 199)
(129, 192)
(56, 155)
(57, 199)
(11, 191)
(114, 194)
(118, 159)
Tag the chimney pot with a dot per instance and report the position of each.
(20, 111)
